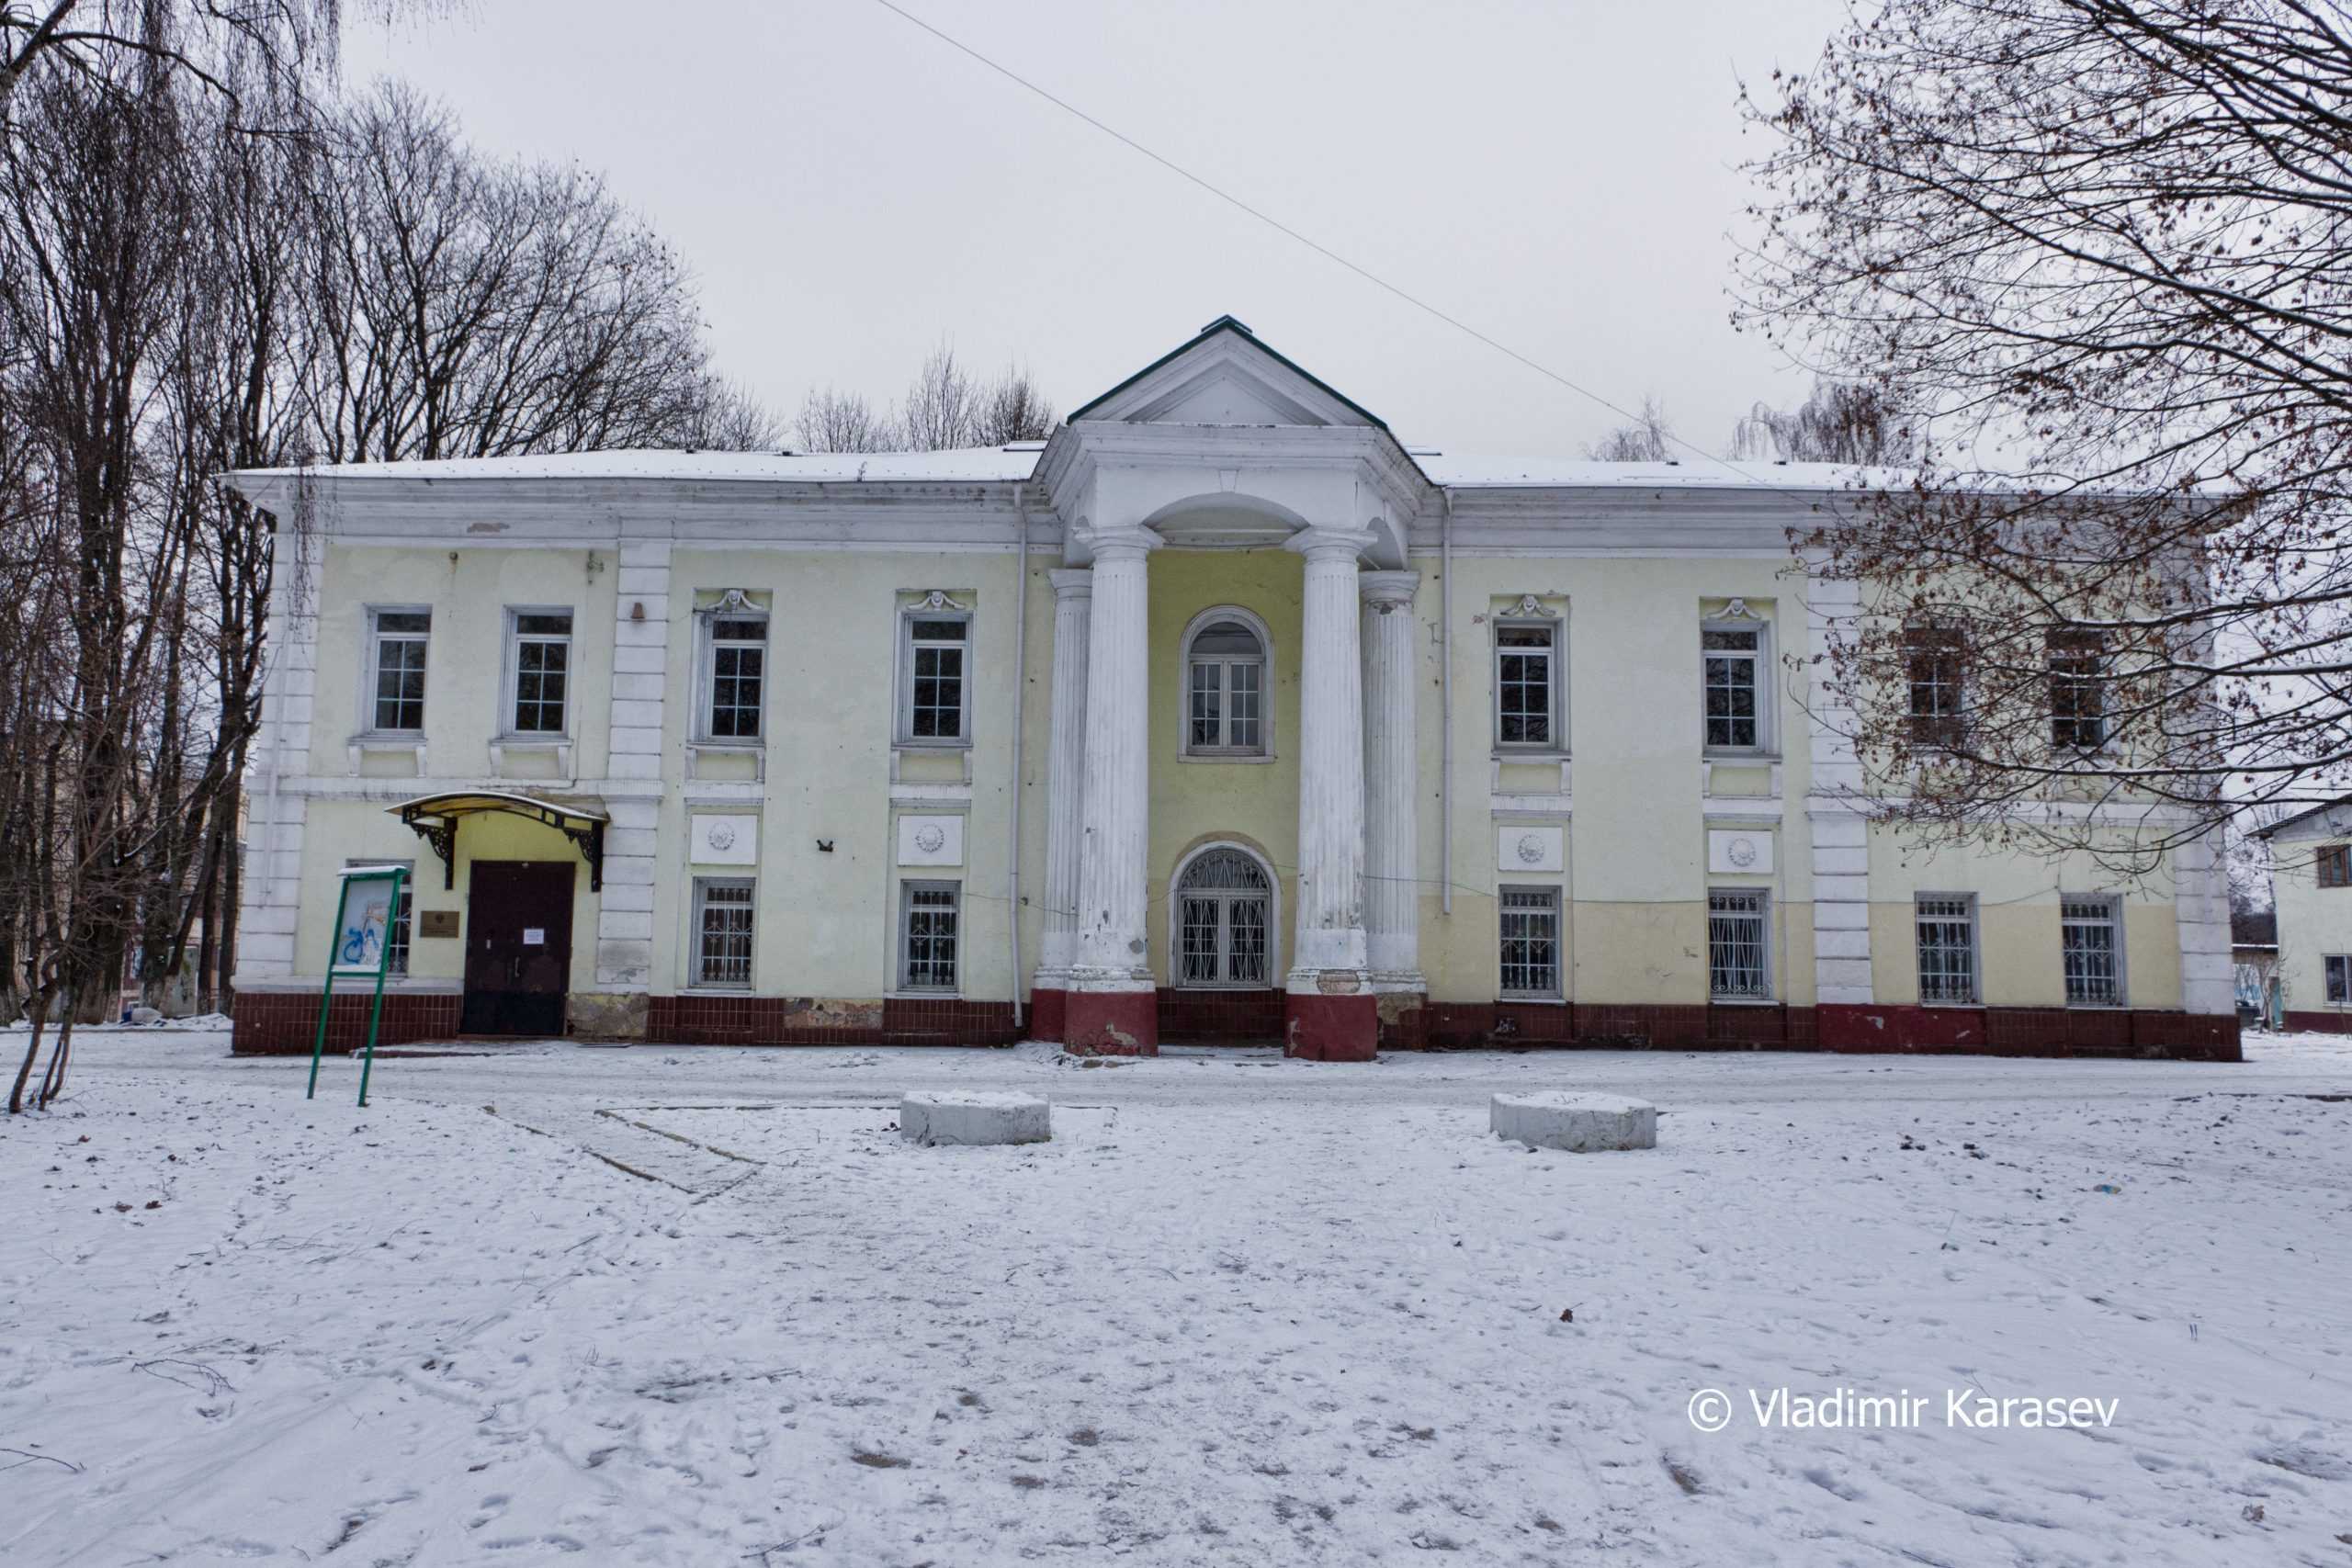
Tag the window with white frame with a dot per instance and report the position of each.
(1224, 921)
(396, 665)
(1936, 668)
(1739, 967)
(2091, 939)
(2339, 979)
(2077, 688)
(930, 923)
(935, 686)
(1224, 690)
(540, 662)
(735, 666)
(1731, 656)
(403, 918)
(1527, 684)
(1531, 941)
(1946, 928)
(724, 907)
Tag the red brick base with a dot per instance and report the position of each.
(2000, 1031)
(2320, 1022)
(1049, 1014)
(1241, 1018)
(803, 1021)
(1331, 1029)
(1113, 1024)
(285, 1023)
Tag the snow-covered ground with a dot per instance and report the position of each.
(702, 1306)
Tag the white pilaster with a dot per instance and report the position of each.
(1330, 942)
(1066, 775)
(2202, 918)
(1391, 768)
(270, 899)
(1841, 854)
(641, 684)
(1112, 952)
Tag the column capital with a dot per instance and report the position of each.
(1071, 581)
(1320, 542)
(1386, 591)
(1129, 541)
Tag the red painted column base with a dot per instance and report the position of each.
(1331, 1028)
(1049, 1014)
(1112, 1023)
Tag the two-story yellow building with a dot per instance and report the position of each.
(1222, 714)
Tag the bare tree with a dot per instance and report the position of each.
(729, 419)
(1857, 423)
(943, 408)
(833, 420)
(1014, 408)
(2104, 240)
(1648, 439)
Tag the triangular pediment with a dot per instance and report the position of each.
(1225, 376)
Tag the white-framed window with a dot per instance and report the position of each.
(1739, 948)
(1225, 923)
(934, 676)
(396, 939)
(2091, 939)
(2338, 967)
(1228, 682)
(929, 929)
(2077, 688)
(1946, 929)
(1731, 660)
(734, 673)
(539, 672)
(725, 907)
(1936, 668)
(397, 637)
(1531, 941)
(1528, 657)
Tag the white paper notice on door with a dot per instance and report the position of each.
(534, 936)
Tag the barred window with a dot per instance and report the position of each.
(1737, 965)
(929, 926)
(2092, 940)
(1223, 903)
(2339, 979)
(400, 636)
(2077, 688)
(1531, 941)
(1728, 658)
(1224, 691)
(723, 912)
(1935, 670)
(932, 701)
(1527, 683)
(1946, 929)
(542, 667)
(2335, 866)
(738, 666)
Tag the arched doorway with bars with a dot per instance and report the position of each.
(1225, 940)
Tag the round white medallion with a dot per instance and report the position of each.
(930, 838)
(721, 835)
(1741, 852)
(1531, 847)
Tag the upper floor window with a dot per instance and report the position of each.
(1224, 689)
(397, 662)
(1731, 665)
(2077, 688)
(735, 655)
(541, 666)
(2335, 866)
(1527, 684)
(1934, 668)
(935, 685)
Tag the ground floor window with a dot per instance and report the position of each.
(1531, 941)
(2339, 977)
(723, 910)
(929, 923)
(1738, 966)
(1224, 917)
(2092, 940)
(1946, 929)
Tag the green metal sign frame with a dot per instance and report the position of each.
(359, 946)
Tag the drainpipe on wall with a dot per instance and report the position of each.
(1020, 709)
(1445, 706)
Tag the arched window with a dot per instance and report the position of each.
(1226, 687)
(1223, 921)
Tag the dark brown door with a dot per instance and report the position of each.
(518, 947)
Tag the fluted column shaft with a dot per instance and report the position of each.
(1330, 948)
(1066, 773)
(1112, 954)
(1391, 843)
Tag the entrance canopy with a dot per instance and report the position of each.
(436, 816)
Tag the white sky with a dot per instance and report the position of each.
(851, 190)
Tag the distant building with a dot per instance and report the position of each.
(2310, 884)
(1221, 715)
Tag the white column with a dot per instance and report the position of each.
(2202, 922)
(633, 766)
(1331, 946)
(1112, 955)
(277, 809)
(1066, 775)
(1391, 768)
(1841, 854)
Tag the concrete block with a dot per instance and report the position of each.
(1580, 1123)
(947, 1117)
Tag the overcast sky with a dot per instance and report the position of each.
(851, 190)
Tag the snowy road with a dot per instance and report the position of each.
(701, 1306)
